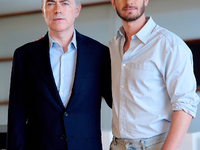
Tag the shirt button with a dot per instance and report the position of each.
(122, 108)
(63, 75)
(122, 129)
(61, 93)
(62, 137)
(124, 65)
(26, 121)
(65, 114)
(122, 86)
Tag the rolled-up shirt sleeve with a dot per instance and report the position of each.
(180, 79)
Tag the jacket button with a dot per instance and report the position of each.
(65, 114)
(63, 137)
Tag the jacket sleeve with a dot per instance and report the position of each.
(106, 87)
(16, 117)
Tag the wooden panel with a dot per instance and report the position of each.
(194, 45)
(198, 88)
(4, 102)
(6, 59)
(194, 41)
(39, 11)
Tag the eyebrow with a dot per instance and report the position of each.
(54, 0)
(64, 0)
(50, 1)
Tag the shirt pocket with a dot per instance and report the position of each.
(140, 77)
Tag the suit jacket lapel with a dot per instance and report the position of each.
(41, 57)
(84, 54)
(42, 62)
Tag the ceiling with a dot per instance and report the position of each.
(17, 6)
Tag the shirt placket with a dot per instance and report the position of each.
(61, 76)
(122, 100)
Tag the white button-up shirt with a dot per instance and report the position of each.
(63, 66)
(150, 80)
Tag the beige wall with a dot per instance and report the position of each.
(101, 23)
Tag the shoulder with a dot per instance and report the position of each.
(169, 38)
(31, 46)
(23, 50)
(171, 45)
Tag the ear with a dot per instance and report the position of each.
(146, 2)
(78, 9)
(113, 3)
(42, 9)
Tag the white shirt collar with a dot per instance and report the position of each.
(144, 33)
(73, 41)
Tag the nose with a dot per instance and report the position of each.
(57, 8)
(129, 2)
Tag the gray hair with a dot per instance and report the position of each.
(77, 2)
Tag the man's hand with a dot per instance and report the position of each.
(38, 39)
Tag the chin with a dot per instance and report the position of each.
(59, 29)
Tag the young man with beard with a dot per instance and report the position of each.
(57, 84)
(153, 82)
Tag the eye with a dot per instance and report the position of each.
(50, 4)
(65, 4)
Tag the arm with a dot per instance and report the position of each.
(106, 79)
(181, 85)
(179, 126)
(16, 119)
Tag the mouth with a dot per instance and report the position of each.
(58, 19)
(129, 8)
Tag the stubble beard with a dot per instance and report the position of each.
(130, 18)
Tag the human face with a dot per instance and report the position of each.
(129, 10)
(60, 15)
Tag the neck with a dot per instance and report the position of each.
(63, 38)
(132, 28)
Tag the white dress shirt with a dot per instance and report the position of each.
(63, 66)
(150, 80)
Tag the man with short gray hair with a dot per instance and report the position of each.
(57, 84)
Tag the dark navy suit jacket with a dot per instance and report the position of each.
(37, 119)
